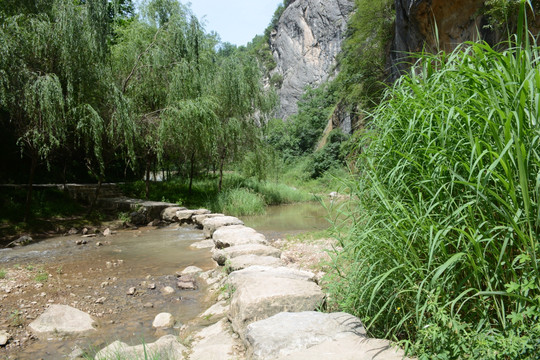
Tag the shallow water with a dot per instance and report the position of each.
(127, 259)
(283, 220)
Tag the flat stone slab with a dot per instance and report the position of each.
(233, 235)
(215, 343)
(285, 333)
(166, 347)
(198, 219)
(169, 214)
(350, 347)
(245, 261)
(262, 297)
(64, 319)
(216, 311)
(222, 255)
(210, 225)
(192, 270)
(152, 209)
(238, 278)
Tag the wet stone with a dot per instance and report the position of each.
(131, 291)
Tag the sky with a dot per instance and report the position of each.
(236, 21)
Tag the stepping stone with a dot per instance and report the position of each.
(198, 219)
(285, 333)
(350, 347)
(222, 255)
(245, 261)
(166, 347)
(169, 214)
(238, 278)
(233, 235)
(64, 319)
(215, 343)
(210, 225)
(264, 296)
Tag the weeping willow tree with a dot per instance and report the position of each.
(56, 86)
(242, 99)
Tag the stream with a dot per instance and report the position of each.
(147, 259)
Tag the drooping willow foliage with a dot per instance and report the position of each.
(85, 82)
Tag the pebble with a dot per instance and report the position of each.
(131, 291)
(107, 232)
(167, 290)
(101, 300)
(152, 286)
(80, 242)
(99, 243)
(103, 284)
(148, 305)
(4, 337)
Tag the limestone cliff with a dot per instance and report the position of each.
(305, 44)
(419, 21)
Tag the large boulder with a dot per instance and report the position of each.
(285, 333)
(231, 234)
(350, 347)
(215, 343)
(166, 347)
(210, 225)
(238, 278)
(64, 319)
(245, 261)
(265, 296)
(222, 255)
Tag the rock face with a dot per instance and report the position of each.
(64, 319)
(457, 21)
(305, 45)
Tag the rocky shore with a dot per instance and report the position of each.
(261, 307)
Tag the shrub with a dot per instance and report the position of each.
(444, 247)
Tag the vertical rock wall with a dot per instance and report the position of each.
(305, 45)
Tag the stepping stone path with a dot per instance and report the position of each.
(264, 310)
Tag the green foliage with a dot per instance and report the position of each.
(3, 273)
(41, 276)
(299, 135)
(444, 247)
(362, 61)
(329, 156)
(238, 202)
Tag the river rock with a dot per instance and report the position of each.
(245, 261)
(233, 235)
(131, 291)
(285, 333)
(166, 347)
(4, 337)
(349, 347)
(238, 278)
(184, 216)
(163, 321)
(222, 255)
(167, 290)
(192, 270)
(107, 232)
(169, 214)
(186, 282)
(263, 296)
(21, 241)
(215, 343)
(210, 225)
(64, 319)
(198, 219)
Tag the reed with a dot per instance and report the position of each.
(444, 249)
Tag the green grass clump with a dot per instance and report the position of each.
(238, 202)
(3, 273)
(444, 251)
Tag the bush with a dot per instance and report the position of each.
(444, 248)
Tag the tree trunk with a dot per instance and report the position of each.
(191, 171)
(96, 195)
(154, 170)
(221, 163)
(147, 190)
(28, 204)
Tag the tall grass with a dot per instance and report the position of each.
(444, 251)
(239, 202)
